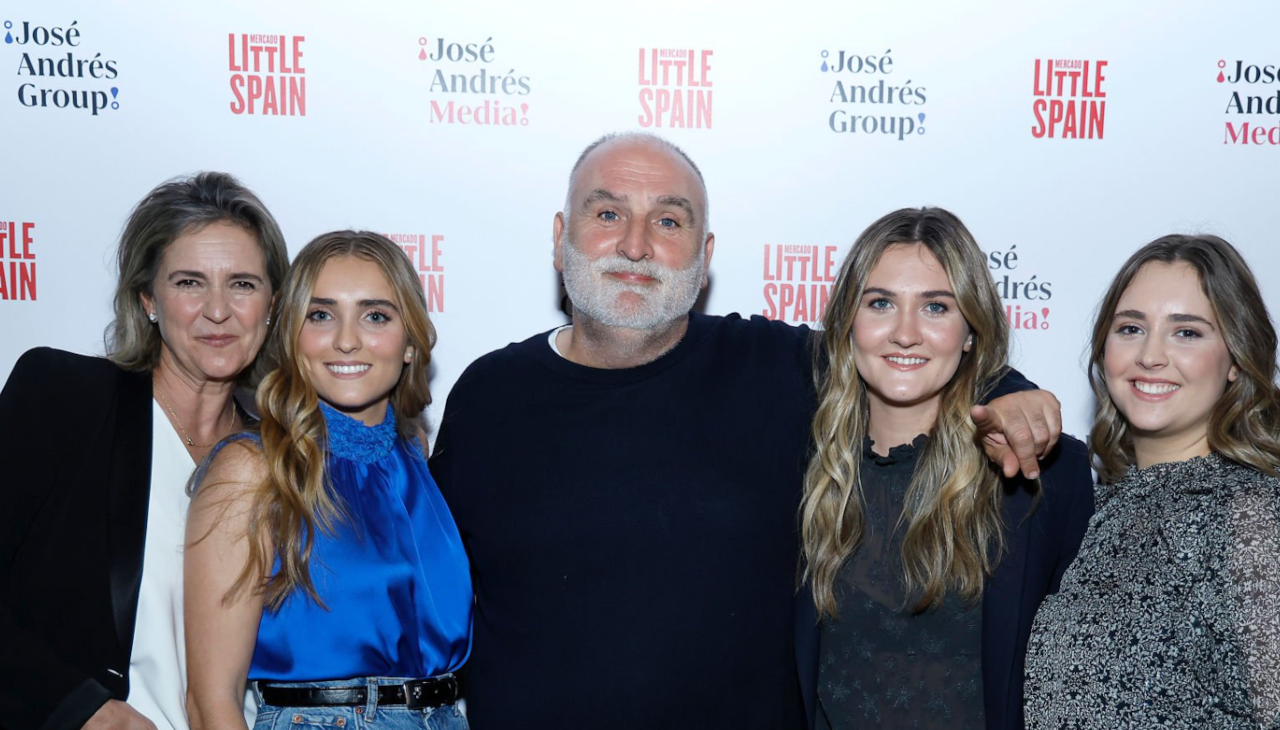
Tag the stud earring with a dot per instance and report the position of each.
(152, 316)
(268, 321)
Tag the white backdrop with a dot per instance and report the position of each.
(99, 102)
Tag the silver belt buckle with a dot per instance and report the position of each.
(418, 697)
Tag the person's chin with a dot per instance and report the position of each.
(222, 372)
(898, 397)
(345, 399)
(1148, 424)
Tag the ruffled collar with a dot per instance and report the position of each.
(1197, 475)
(351, 439)
(903, 455)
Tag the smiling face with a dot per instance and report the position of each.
(210, 299)
(1166, 362)
(631, 247)
(353, 342)
(908, 336)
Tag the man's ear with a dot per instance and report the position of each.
(706, 265)
(557, 231)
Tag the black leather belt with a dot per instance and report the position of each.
(416, 694)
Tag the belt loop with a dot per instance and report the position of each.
(371, 703)
(257, 694)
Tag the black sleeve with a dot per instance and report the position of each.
(1011, 381)
(443, 462)
(1072, 484)
(39, 691)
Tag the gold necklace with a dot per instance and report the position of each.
(185, 436)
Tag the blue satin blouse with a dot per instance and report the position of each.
(395, 576)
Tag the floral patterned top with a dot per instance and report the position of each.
(1170, 616)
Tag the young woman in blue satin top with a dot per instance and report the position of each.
(322, 562)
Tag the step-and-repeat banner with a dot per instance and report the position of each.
(1064, 135)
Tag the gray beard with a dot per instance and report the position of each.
(596, 295)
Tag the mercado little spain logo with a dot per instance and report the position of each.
(1069, 99)
(268, 74)
(676, 88)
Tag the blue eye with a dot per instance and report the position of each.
(609, 215)
(936, 308)
(378, 317)
(880, 303)
(669, 223)
(318, 315)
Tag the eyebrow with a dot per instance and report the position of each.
(1190, 318)
(608, 196)
(931, 294)
(599, 194)
(363, 303)
(678, 201)
(185, 274)
(1180, 318)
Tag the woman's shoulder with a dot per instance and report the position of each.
(1245, 478)
(1247, 494)
(70, 371)
(1217, 481)
(45, 359)
(45, 378)
(237, 461)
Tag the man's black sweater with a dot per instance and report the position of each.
(633, 533)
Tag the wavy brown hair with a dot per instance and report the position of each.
(1244, 425)
(174, 208)
(295, 499)
(954, 535)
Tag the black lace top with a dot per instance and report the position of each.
(881, 666)
(1170, 616)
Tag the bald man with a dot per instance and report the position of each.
(627, 485)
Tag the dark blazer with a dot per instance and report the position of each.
(1043, 539)
(75, 447)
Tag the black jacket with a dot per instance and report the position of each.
(75, 444)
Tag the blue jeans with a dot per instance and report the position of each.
(370, 715)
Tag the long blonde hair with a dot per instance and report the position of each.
(295, 499)
(1244, 425)
(954, 534)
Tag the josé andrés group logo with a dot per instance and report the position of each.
(869, 100)
(56, 70)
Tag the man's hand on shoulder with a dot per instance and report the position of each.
(1019, 429)
(117, 715)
